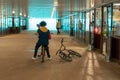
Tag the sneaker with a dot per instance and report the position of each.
(34, 58)
(49, 58)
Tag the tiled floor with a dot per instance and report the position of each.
(16, 63)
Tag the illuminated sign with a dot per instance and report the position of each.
(96, 29)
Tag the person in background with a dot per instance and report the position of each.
(58, 26)
(43, 39)
(80, 25)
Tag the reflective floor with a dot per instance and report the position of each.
(16, 63)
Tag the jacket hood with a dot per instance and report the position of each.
(43, 29)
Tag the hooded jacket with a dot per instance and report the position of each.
(43, 34)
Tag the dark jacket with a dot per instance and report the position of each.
(43, 34)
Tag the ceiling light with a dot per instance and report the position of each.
(13, 12)
(55, 3)
(20, 14)
(53, 11)
(117, 4)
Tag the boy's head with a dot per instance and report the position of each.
(43, 23)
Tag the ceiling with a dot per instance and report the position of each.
(40, 8)
(43, 8)
(52, 8)
(49, 9)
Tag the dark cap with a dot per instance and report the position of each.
(43, 23)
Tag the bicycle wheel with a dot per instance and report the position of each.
(65, 57)
(74, 53)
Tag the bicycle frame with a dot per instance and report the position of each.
(42, 54)
(62, 54)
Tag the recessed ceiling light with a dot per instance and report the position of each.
(117, 4)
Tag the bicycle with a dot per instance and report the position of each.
(42, 55)
(72, 52)
(62, 53)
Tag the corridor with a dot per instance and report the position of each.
(16, 63)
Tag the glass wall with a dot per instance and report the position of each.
(87, 27)
(78, 26)
(98, 21)
(83, 28)
(116, 19)
(3, 18)
(106, 29)
(97, 28)
(115, 38)
(91, 28)
(76, 19)
(10, 16)
(66, 25)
